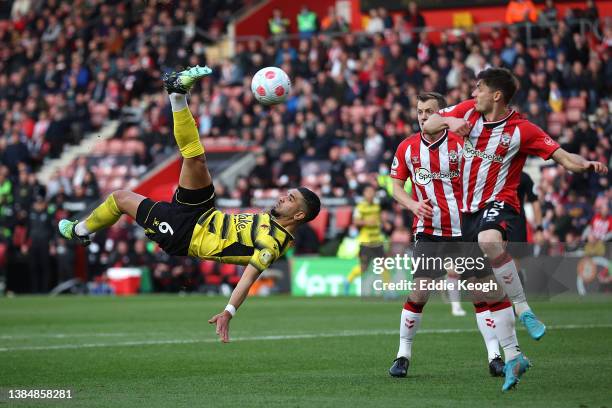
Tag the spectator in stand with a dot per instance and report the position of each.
(40, 233)
(413, 17)
(334, 22)
(350, 97)
(307, 23)
(289, 175)
(600, 226)
(521, 11)
(277, 24)
(306, 241)
(386, 18)
(261, 175)
(549, 14)
(375, 22)
(591, 13)
(122, 256)
(141, 257)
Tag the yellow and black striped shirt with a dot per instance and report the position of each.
(255, 239)
(369, 234)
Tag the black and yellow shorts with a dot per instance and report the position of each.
(171, 224)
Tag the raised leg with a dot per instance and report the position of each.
(106, 214)
(194, 171)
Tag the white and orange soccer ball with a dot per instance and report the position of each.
(271, 86)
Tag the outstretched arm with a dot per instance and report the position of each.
(578, 164)
(239, 294)
(436, 123)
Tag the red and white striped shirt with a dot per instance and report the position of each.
(494, 155)
(434, 169)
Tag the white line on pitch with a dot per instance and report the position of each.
(60, 335)
(272, 337)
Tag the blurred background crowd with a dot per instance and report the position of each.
(68, 68)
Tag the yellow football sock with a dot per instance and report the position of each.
(186, 134)
(355, 272)
(105, 215)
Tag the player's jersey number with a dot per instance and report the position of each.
(165, 228)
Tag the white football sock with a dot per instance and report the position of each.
(485, 323)
(506, 274)
(178, 102)
(409, 325)
(81, 229)
(503, 325)
(453, 294)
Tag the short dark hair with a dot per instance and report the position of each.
(427, 96)
(312, 202)
(500, 79)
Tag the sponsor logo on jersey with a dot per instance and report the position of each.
(549, 141)
(469, 151)
(242, 221)
(424, 176)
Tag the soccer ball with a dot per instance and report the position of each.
(271, 86)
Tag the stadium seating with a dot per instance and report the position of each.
(352, 98)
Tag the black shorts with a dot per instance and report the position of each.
(171, 224)
(369, 252)
(434, 247)
(496, 215)
(517, 239)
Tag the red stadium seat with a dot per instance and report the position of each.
(207, 268)
(214, 280)
(344, 217)
(3, 251)
(233, 280)
(227, 269)
(319, 224)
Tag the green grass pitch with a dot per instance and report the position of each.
(159, 351)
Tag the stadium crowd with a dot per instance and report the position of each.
(68, 67)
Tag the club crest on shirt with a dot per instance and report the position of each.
(505, 139)
(416, 160)
(452, 156)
